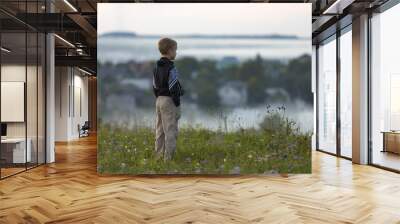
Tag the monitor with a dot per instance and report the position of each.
(3, 129)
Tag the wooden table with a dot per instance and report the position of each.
(13, 150)
(391, 141)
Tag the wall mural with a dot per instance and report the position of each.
(203, 88)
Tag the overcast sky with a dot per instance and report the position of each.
(205, 18)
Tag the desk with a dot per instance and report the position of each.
(391, 141)
(17, 152)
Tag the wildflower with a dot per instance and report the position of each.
(250, 156)
(235, 170)
(272, 171)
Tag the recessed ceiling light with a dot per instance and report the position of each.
(338, 6)
(70, 5)
(5, 49)
(86, 72)
(64, 40)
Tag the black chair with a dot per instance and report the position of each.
(84, 130)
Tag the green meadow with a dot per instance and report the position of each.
(276, 146)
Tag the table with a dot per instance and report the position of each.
(16, 153)
(391, 141)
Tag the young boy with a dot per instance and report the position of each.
(167, 90)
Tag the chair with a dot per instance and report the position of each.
(84, 130)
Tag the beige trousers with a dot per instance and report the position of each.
(167, 116)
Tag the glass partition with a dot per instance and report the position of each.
(22, 88)
(14, 153)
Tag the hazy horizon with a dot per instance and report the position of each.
(201, 34)
(124, 34)
(206, 18)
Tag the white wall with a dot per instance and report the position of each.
(79, 117)
(70, 83)
(12, 73)
(61, 103)
(33, 126)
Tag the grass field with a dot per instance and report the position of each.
(276, 147)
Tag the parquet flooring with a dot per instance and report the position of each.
(70, 191)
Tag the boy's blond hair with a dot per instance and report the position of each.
(165, 44)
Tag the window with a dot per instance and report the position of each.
(346, 94)
(327, 96)
(385, 89)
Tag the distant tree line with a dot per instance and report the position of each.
(202, 79)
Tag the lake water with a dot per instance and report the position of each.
(122, 49)
(230, 120)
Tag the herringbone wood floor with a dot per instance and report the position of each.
(70, 191)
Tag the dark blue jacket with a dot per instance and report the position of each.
(165, 80)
